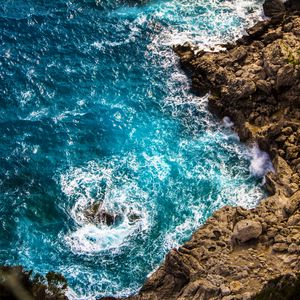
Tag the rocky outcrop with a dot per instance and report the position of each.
(281, 288)
(17, 284)
(96, 214)
(234, 255)
(273, 7)
(256, 83)
(239, 253)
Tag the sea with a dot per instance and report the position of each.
(95, 111)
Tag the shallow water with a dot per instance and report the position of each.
(94, 107)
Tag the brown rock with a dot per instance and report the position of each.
(235, 286)
(283, 170)
(293, 248)
(238, 53)
(225, 290)
(246, 230)
(286, 76)
(264, 86)
(293, 220)
(280, 247)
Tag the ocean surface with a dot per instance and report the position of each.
(94, 108)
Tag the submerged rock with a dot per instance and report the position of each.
(98, 215)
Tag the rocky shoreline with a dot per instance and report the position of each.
(239, 253)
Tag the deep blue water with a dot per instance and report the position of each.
(94, 107)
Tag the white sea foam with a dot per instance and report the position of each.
(206, 37)
(173, 238)
(119, 196)
(227, 122)
(162, 169)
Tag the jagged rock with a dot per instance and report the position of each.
(293, 220)
(283, 169)
(293, 248)
(238, 53)
(281, 287)
(18, 284)
(225, 290)
(286, 76)
(264, 86)
(292, 5)
(98, 215)
(280, 247)
(258, 29)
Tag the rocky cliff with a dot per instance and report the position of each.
(239, 253)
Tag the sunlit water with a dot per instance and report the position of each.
(94, 107)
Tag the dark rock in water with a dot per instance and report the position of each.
(273, 8)
(185, 51)
(98, 215)
(18, 284)
(107, 218)
(133, 217)
(258, 29)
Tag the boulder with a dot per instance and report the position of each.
(280, 247)
(286, 76)
(246, 230)
(273, 8)
(283, 170)
(235, 287)
(264, 86)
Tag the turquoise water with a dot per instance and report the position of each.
(94, 107)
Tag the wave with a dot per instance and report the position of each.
(105, 188)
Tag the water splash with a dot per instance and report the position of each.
(117, 195)
(260, 162)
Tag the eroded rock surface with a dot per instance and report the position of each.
(239, 253)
